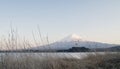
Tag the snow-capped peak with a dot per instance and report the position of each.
(73, 40)
(72, 37)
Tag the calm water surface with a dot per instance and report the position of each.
(78, 55)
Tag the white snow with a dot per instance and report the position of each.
(72, 37)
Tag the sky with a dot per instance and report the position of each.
(96, 20)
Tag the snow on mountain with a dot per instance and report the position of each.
(72, 41)
(73, 37)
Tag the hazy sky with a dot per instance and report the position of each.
(97, 20)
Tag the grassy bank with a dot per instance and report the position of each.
(98, 61)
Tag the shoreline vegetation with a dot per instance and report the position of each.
(73, 49)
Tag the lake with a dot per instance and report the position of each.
(77, 55)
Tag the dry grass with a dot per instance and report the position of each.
(106, 61)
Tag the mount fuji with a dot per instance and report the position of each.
(70, 41)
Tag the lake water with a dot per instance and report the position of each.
(78, 55)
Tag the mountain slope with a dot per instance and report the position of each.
(72, 41)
